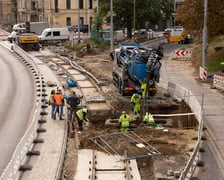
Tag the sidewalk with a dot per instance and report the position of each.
(182, 73)
(46, 166)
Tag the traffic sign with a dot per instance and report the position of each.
(181, 54)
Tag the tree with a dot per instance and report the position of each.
(151, 11)
(191, 16)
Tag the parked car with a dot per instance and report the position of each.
(83, 28)
(151, 34)
(144, 34)
(186, 39)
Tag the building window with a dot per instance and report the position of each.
(80, 4)
(56, 6)
(68, 21)
(90, 22)
(90, 4)
(81, 21)
(34, 5)
(68, 4)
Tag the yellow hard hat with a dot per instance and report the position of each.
(123, 112)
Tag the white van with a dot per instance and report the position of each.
(54, 35)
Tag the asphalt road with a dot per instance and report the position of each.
(17, 92)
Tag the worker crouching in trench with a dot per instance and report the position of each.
(148, 120)
(124, 122)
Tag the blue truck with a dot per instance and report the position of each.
(135, 64)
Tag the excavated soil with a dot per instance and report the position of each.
(172, 144)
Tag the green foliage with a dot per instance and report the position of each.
(214, 64)
(146, 11)
(214, 58)
(191, 16)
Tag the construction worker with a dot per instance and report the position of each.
(143, 87)
(58, 99)
(73, 101)
(149, 119)
(51, 102)
(124, 122)
(136, 103)
(80, 116)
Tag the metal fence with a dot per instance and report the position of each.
(196, 107)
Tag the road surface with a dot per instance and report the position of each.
(17, 98)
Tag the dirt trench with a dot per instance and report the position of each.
(173, 144)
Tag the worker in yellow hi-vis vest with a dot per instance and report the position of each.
(124, 122)
(149, 119)
(143, 87)
(136, 103)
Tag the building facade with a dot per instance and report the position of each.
(58, 13)
(8, 11)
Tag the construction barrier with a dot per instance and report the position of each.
(218, 82)
(76, 36)
(181, 55)
(203, 73)
(3, 37)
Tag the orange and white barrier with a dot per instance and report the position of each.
(3, 37)
(203, 73)
(218, 82)
(181, 55)
(75, 36)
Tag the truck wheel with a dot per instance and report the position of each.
(114, 79)
(121, 90)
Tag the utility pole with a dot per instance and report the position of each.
(205, 36)
(42, 10)
(203, 69)
(111, 28)
(88, 17)
(78, 21)
(134, 14)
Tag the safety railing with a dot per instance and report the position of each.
(27, 141)
(182, 93)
